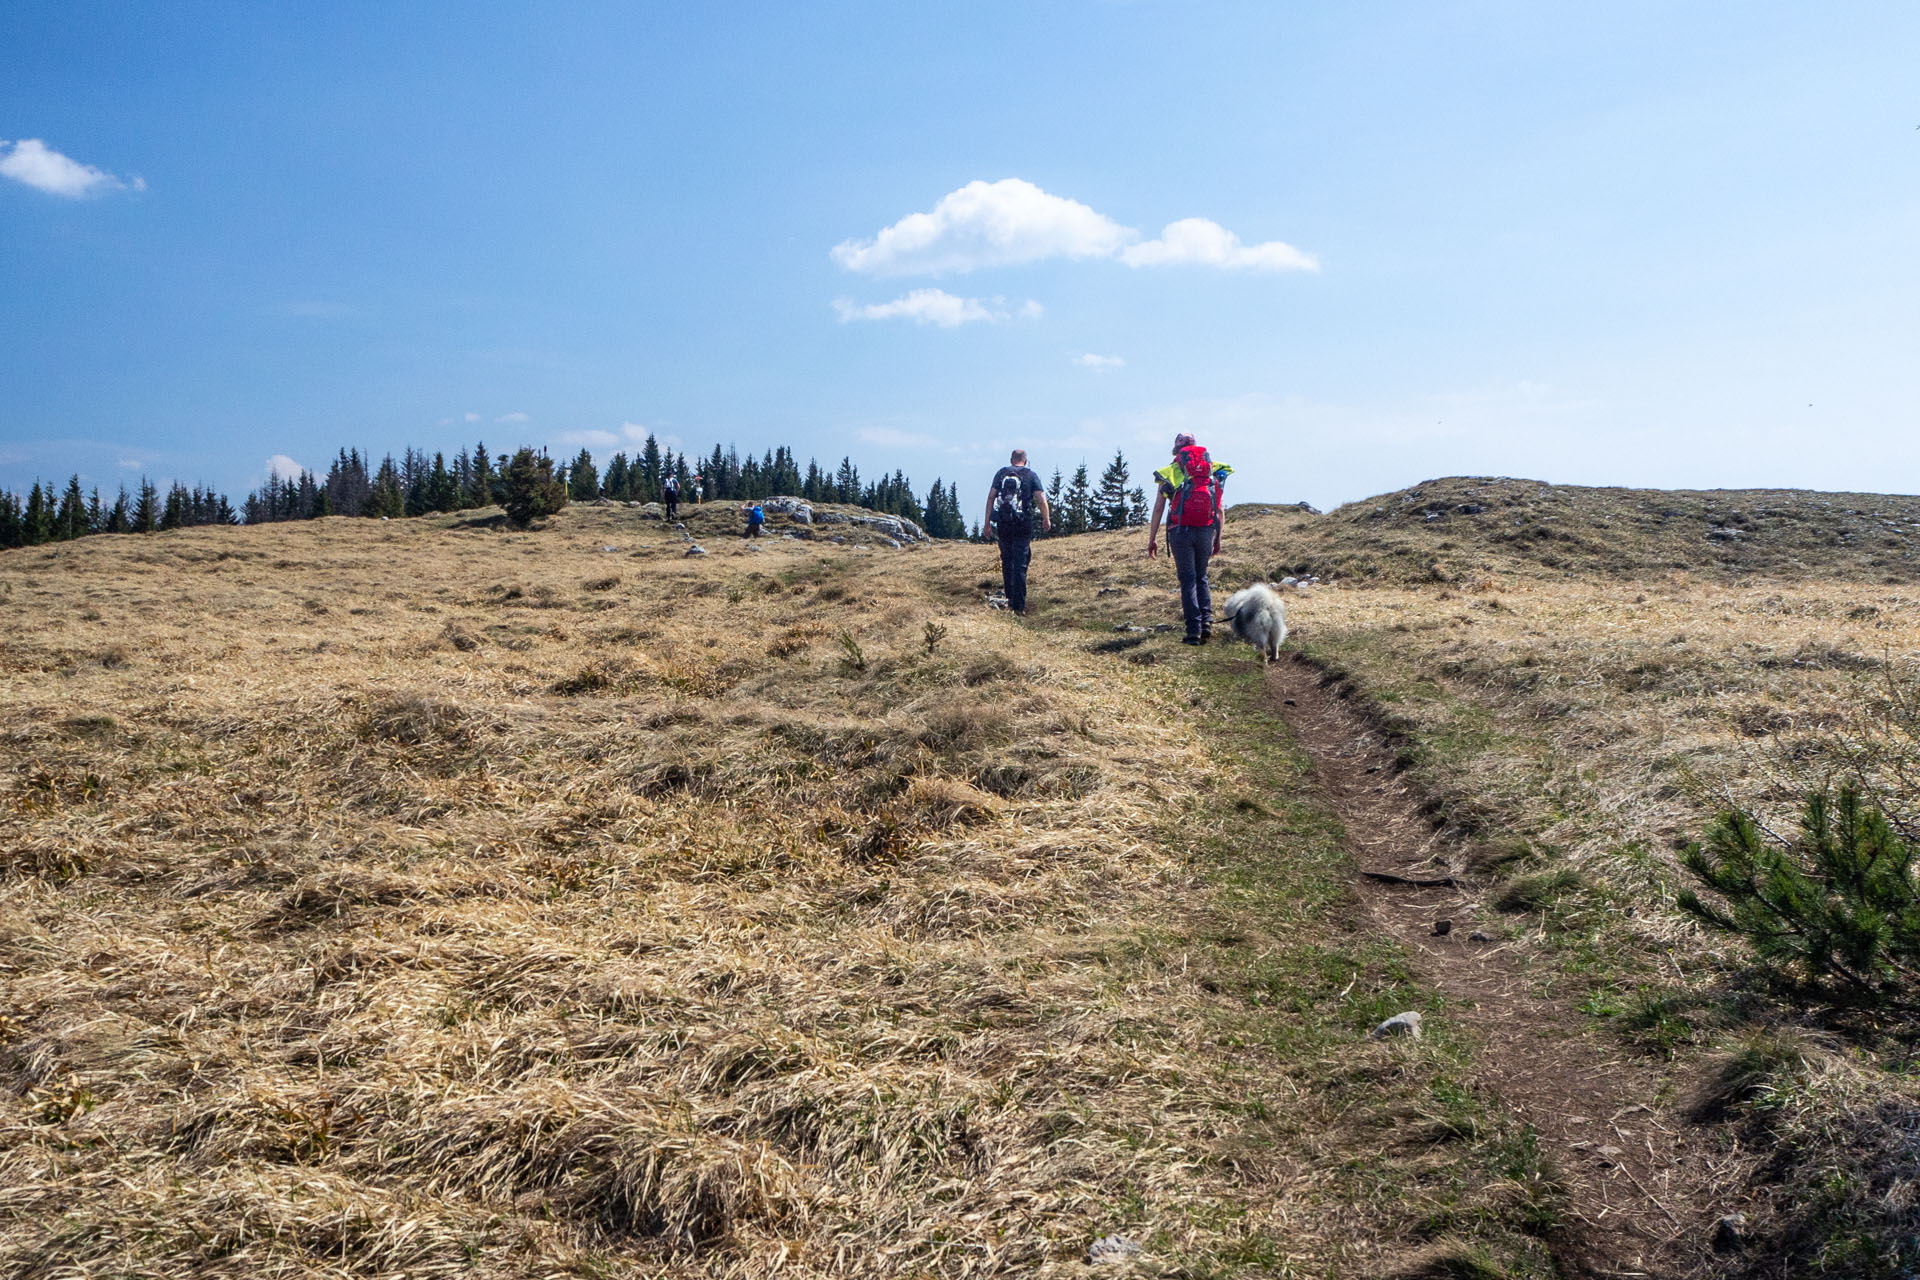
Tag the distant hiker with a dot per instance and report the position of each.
(670, 494)
(756, 516)
(1011, 500)
(699, 492)
(1191, 485)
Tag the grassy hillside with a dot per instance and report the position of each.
(1460, 528)
(425, 897)
(1574, 706)
(422, 898)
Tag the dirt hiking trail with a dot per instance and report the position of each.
(1639, 1191)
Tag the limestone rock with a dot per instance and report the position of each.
(799, 509)
(1110, 1251)
(1400, 1024)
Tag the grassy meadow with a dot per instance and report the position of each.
(425, 898)
(422, 898)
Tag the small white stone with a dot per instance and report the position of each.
(1111, 1251)
(1400, 1024)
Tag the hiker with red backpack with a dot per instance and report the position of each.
(1190, 497)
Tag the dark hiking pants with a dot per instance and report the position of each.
(1191, 549)
(1014, 555)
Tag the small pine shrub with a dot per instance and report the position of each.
(1834, 914)
(853, 659)
(532, 490)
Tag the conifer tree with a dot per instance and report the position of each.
(38, 519)
(614, 482)
(12, 533)
(1078, 511)
(532, 490)
(1053, 504)
(480, 492)
(415, 479)
(1110, 500)
(389, 496)
(935, 523)
(1136, 507)
(71, 522)
(583, 480)
(146, 507)
(443, 490)
(652, 471)
(173, 514)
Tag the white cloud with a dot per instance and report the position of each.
(1088, 360)
(1204, 242)
(31, 161)
(513, 417)
(130, 464)
(281, 467)
(473, 417)
(603, 439)
(985, 224)
(638, 433)
(922, 306)
(1012, 221)
(936, 306)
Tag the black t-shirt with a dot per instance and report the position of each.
(1029, 485)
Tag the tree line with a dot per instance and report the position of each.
(46, 514)
(417, 483)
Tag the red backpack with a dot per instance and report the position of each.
(1196, 503)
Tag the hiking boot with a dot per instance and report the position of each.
(1191, 640)
(1206, 634)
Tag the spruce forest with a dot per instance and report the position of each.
(418, 484)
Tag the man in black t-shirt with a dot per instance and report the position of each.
(1011, 502)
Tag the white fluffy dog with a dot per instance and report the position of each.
(1259, 618)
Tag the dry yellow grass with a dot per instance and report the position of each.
(418, 899)
(1591, 725)
(1608, 699)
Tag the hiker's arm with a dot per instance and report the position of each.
(1046, 512)
(1153, 526)
(1219, 516)
(986, 519)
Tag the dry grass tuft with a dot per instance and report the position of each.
(415, 721)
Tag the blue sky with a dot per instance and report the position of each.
(1350, 247)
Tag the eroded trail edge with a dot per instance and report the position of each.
(1640, 1190)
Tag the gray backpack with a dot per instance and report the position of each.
(1011, 512)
